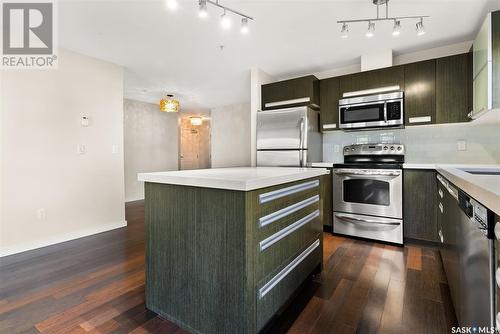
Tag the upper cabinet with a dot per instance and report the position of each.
(486, 66)
(453, 88)
(302, 91)
(384, 77)
(329, 114)
(420, 92)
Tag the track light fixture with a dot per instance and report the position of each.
(420, 27)
(225, 22)
(344, 33)
(371, 30)
(396, 31)
(203, 12)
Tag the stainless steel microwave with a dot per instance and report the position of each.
(372, 111)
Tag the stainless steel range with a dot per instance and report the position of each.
(368, 192)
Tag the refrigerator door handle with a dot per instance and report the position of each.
(301, 141)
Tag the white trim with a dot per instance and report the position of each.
(372, 91)
(329, 126)
(422, 119)
(287, 102)
(19, 248)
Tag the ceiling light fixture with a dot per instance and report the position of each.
(420, 27)
(225, 19)
(169, 104)
(344, 32)
(172, 4)
(196, 120)
(396, 30)
(371, 30)
(203, 12)
(371, 22)
(244, 26)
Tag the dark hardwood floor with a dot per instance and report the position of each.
(96, 285)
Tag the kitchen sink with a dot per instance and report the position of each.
(482, 171)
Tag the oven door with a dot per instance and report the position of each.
(375, 192)
(362, 115)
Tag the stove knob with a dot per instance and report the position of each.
(386, 148)
(399, 148)
(392, 148)
(352, 149)
(346, 149)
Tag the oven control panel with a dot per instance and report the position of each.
(374, 149)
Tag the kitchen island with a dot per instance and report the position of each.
(227, 248)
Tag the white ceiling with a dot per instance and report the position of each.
(179, 52)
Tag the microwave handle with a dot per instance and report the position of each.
(385, 112)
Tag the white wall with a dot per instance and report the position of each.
(151, 144)
(231, 136)
(257, 79)
(81, 194)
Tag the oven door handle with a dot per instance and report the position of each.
(367, 221)
(368, 173)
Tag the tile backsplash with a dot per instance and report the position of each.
(444, 143)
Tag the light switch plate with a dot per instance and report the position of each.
(461, 145)
(81, 149)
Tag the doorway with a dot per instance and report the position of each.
(194, 151)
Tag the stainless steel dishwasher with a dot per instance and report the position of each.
(476, 256)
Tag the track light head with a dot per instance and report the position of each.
(420, 27)
(396, 30)
(244, 26)
(371, 30)
(203, 12)
(225, 21)
(344, 32)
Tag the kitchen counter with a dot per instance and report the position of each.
(224, 261)
(240, 178)
(483, 188)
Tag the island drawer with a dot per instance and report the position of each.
(269, 201)
(278, 287)
(284, 243)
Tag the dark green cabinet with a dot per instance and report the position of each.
(326, 205)
(291, 93)
(329, 101)
(419, 205)
(420, 92)
(384, 77)
(453, 88)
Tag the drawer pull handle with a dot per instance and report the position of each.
(272, 195)
(441, 237)
(440, 193)
(272, 217)
(285, 271)
(497, 277)
(441, 208)
(268, 242)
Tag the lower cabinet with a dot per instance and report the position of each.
(223, 261)
(326, 205)
(419, 205)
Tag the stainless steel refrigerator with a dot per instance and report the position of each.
(288, 137)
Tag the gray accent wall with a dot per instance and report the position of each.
(426, 143)
(151, 144)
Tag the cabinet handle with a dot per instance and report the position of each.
(497, 230)
(268, 242)
(423, 119)
(329, 126)
(441, 238)
(497, 277)
(272, 195)
(272, 217)
(287, 102)
(285, 271)
(440, 192)
(441, 208)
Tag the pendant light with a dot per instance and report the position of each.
(169, 104)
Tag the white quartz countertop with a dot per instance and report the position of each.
(483, 188)
(239, 178)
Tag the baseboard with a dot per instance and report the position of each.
(6, 251)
